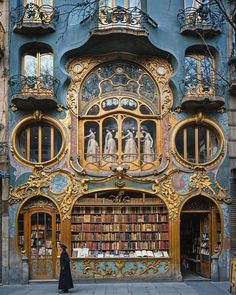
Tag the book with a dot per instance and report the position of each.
(165, 254)
(158, 254)
(144, 253)
(138, 253)
(150, 253)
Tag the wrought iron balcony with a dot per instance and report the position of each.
(119, 19)
(30, 92)
(205, 20)
(34, 19)
(202, 94)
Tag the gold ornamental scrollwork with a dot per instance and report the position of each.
(165, 188)
(60, 185)
(200, 182)
(33, 187)
(118, 268)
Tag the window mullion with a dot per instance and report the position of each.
(196, 146)
(208, 148)
(28, 144)
(185, 144)
(38, 64)
(51, 142)
(40, 144)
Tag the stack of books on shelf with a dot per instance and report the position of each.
(85, 252)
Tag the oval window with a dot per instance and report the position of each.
(197, 144)
(38, 142)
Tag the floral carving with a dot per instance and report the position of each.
(165, 188)
(200, 182)
(62, 186)
(117, 268)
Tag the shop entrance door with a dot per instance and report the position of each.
(42, 245)
(196, 243)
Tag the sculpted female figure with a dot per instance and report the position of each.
(92, 155)
(109, 153)
(131, 149)
(148, 152)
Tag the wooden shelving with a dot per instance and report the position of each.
(124, 229)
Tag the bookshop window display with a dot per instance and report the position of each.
(120, 108)
(113, 225)
(201, 235)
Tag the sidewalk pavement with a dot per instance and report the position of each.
(134, 288)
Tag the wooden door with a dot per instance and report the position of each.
(42, 249)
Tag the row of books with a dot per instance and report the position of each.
(116, 227)
(121, 245)
(86, 252)
(121, 210)
(140, 236)
(129, 218)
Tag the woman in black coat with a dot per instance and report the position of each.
(65, 280)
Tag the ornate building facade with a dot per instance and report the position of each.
(118, 136)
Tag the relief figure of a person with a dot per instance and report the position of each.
(148, 151)
(110, 150)
(131, 149)
(92, 155)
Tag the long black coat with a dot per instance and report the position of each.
(65, 280)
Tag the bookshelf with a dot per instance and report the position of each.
(41, 235)
(125, 231)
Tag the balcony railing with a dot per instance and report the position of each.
(31, 92)
(121, 19)
(34, 19)
(206, 94)
(203, 20)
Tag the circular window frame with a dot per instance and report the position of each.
(207, 122)
(27, 121)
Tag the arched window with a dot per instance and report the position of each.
(119, 104)
(37, 71)
(199, 73)
(36, 64)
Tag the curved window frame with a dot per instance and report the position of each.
(38, 62)
(202, 79)
(207, 123)
(24, 124)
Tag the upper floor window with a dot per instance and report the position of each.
(37, 69)
(199, 73)
(121, 3)
(195, 3)
(37, 64)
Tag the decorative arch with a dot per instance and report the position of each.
(159, 71)
(119, 100)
